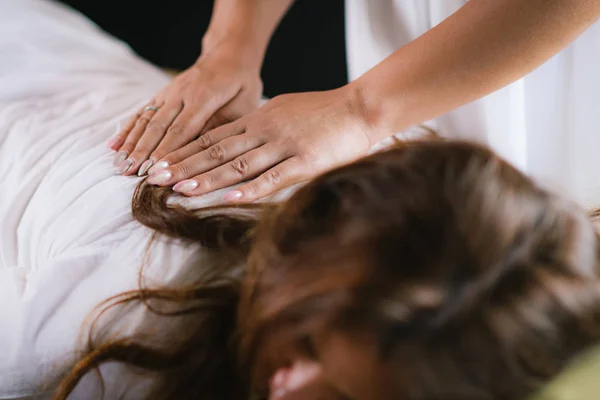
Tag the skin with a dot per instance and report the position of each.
(223, 85)
(348, 367)
(479, 49)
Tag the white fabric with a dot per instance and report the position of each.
(67, 238)
(547, 123)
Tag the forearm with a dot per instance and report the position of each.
(244, 28)
(484, 46)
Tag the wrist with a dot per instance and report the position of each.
(233, 49)
(368, 109)
(241, 42)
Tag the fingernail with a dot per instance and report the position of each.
(113, 142)
(279, 393)
(119, 158)
(159, 166)
(145, 167)
(185, 186)
(125, 166)
(233, 195)
(160, 178)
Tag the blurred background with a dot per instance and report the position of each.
(306, 53)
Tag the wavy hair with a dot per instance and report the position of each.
(461, 267)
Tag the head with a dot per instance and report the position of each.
(431, 271)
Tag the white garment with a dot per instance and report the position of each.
(547, 124)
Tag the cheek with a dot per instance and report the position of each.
(353, 365)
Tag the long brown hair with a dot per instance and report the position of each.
(464, 269)
(195, 357)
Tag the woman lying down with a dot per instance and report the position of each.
(431, 271)
(434, 271)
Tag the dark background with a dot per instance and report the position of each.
(307, 51)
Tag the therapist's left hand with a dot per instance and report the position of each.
(290, 139)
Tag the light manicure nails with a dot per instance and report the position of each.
(119, 158)
(125, 166)
(159, 166)
(145, 167)
(160, 178)
(185, 186)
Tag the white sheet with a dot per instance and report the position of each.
(67, 238)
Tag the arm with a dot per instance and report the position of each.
(243, 28)
(484, 46)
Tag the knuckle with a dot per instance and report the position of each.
(240, 166)
(216, 153)
(143, 120)
(204, 141)
(251, 189)
(277, 100)
(206, 183)
(308, 158)
(269, 127)
(183, 169)
(273, 177)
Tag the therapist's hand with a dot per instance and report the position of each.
(290, 139)
(218, 89)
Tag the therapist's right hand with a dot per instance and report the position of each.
(219, 88)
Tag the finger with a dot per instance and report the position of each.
(197, 146)
(215, 156)
(154, 129)
(146, 151)
(280, 176)
(132, 137)
(117, 141)
(191, 123)
(182, 131)
(241, 168)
